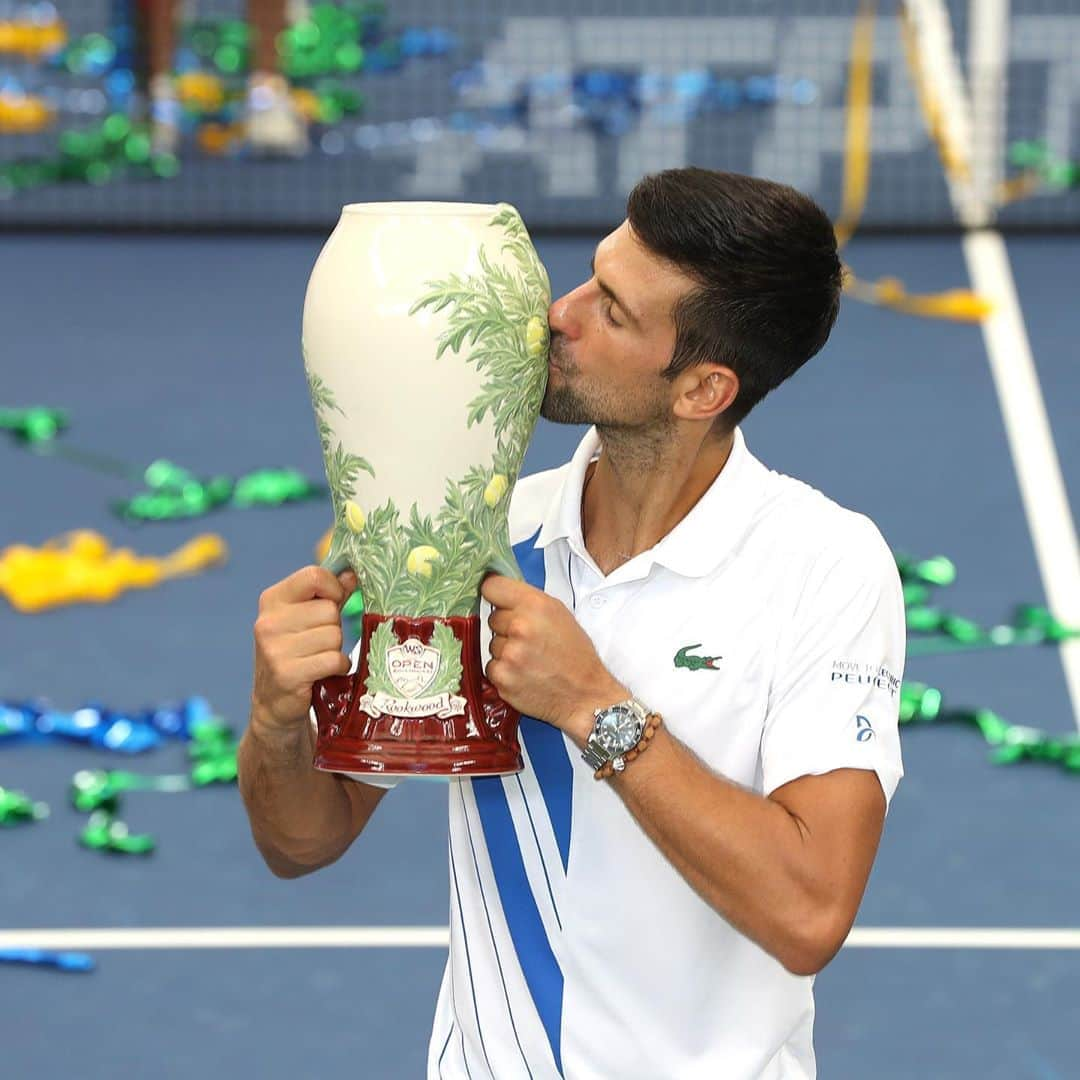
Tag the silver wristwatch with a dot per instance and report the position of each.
(617, 729)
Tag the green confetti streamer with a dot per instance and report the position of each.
(104, 832)
(934, 631)
(173, 492)
(100, 789)
(213, 751)
(34, 425)
(16, 808)
(1009, 743)
(271, 487)
(97, 155)
(1035, 156)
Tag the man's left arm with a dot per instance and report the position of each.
(786, 868)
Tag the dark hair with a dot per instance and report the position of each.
(765, 260)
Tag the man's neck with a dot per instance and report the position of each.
(635, 494)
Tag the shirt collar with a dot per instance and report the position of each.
(700, 541)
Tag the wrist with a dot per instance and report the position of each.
(582, 719)
(284, 741)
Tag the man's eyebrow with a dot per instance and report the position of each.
(607, 290)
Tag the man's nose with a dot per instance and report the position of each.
(561, 316)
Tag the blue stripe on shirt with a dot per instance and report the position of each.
(543, 976)
(554, 774)
(547, 750)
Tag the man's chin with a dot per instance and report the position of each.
(562, 408)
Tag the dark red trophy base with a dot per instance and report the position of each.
(482, 742)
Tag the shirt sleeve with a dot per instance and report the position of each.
(835, 697)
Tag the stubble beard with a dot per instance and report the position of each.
(592, 405)
(563, 405)
(649, 421)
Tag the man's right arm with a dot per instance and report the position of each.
(301, 818)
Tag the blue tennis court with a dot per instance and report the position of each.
(186, 348)
(921, 127)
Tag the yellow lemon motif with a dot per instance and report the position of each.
(354, 516)
(536, 333)
(420, 559)
(496, 489)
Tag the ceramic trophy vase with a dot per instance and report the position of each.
(425, 343)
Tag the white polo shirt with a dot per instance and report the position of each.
(768, 629)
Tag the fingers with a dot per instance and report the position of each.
(308, 583)
(292, 618)
(279, 650)
(322, 666)
(298, 640)
(502, 591)
(312, 642)
(500, 622)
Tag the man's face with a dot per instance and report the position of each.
(612, 337)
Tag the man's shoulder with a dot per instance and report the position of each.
(809, 527)
(531, 500)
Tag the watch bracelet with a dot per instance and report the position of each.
(653, 723)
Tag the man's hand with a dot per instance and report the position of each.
(298, 641)
(543, 663)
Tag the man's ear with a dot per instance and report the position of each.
(708, 392)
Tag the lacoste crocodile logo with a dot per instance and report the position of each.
(696, 663)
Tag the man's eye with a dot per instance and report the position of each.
(607, 312)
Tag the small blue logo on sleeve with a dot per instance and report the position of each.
(864, 730)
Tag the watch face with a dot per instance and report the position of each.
(619, 730)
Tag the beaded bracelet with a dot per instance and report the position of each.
(652, 725)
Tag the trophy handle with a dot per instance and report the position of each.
(336, 560)
(507, 566)
(331, 697)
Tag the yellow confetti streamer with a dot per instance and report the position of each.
(31, 39)
(216, 138)
(81, 567)
(307, 104)
(22, 114)
(857, 128)
(961, 305)
(1018, 187)
(200, 90)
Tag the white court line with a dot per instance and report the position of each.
(962, 937)
(945, 81)
(438, 937)
(988, 65)
(232, 937)
(1012, 366)
(1038, 471)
